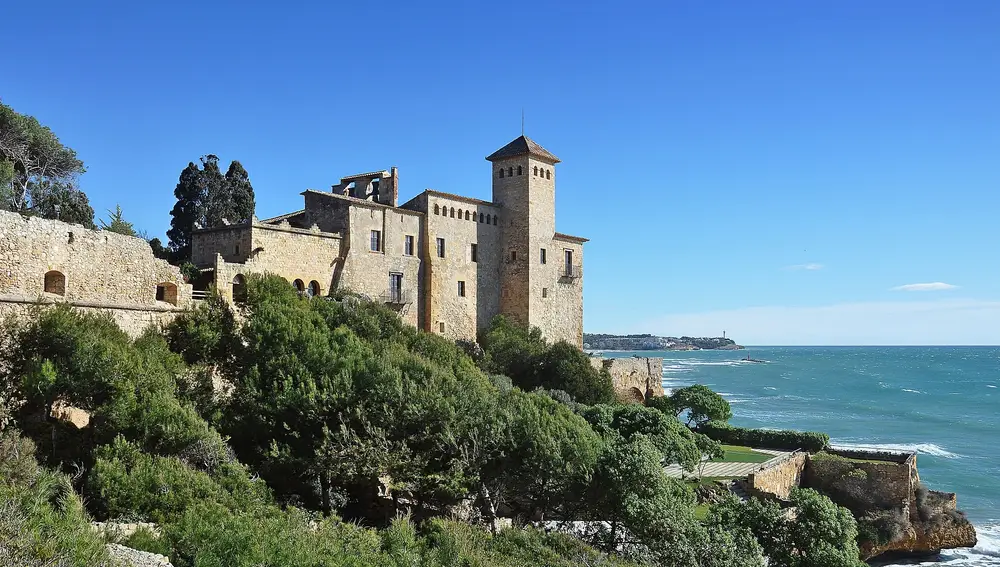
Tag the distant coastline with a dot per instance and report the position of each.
(607, 342)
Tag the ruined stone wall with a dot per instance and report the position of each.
(461, 317)
(862, 485)
(635, 379)
(93, 270)
(233, 242)
(779, 479)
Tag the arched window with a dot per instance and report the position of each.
(167, 292)
(501, 173)
(510, 172)
(437, 210)
(495, 221)
(453, 212)
(480, 217)
(487, 219)
(535, 172)
(313, 289)
(55, 282)
(239, 289)
(459, 214)
(466, 215)
(519, 170)
(548, 174)
(299, 286)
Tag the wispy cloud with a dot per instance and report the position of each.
(810, 267)
(944, 321)
(933, 286)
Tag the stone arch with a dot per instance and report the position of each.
(239, 289)
(299, 286)
(167, 292)
(314, 288)
(635, 395)
(55, 282)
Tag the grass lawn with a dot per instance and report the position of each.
(737, 454)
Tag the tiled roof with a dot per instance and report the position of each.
(570, 238)
(280, 218)
(522, 145)
(382, 173)
(452, 196)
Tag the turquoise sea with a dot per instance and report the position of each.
(943, 402)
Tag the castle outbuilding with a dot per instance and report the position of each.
(447, 263)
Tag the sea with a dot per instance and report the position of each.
(942, 402)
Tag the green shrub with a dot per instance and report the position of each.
(787, 440)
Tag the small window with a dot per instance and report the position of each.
(495, 219)
(548, 174)
(545, 292)
(376, 243)
(459, 214)
(236, 250)
(299, 286)
(408, 245)
(313, 289)
(453, 212)
(510, 172)
(461, 288)
(519, 170)
(441, 326)
(480, 217)
(501, 177)
(513, 255)
(466, 215)
(437, 210)
(535, 172)
(440, 247)
(541, 257)
(475, 252)
(487, 219)
(55, 282)
(239, 288)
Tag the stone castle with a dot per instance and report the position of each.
(447, 263)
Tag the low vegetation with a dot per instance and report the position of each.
(342, 437)
(765, 438)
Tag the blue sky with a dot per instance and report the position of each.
(712, 151)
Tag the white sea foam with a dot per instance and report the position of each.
(770, 388)
(922, 448)
(912, 391)
(990, 386)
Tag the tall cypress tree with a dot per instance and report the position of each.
(240, 193)
(189, 209)
(218, 200)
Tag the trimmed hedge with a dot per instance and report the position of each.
(765, 438)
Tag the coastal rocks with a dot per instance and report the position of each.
(122, 556)
(926, 539)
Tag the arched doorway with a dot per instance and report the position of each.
(635, 395)
(239, 289)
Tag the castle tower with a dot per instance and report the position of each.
(524, 182)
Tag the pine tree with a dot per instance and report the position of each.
(218, 199)
(116, 223)
(189, 209)
(240, 193)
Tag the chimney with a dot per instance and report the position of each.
(393, 187)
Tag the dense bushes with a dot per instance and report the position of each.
(521, 353)
(765, 438)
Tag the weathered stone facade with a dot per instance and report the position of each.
(447, 263)
(44, 262)
(779, 478)
(636, 379)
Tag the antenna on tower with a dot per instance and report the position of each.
(522, 120)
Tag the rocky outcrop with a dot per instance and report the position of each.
(934, 527)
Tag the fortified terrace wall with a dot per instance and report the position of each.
(636, 379)
(44, 262)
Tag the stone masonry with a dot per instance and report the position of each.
(635, 379)
(447, 263)
(44, 262)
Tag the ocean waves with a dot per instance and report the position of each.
(920, 448)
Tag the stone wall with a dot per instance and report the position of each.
(558, 293)
(635, 379)
(43, 262)
(862, 485)
(778, 479)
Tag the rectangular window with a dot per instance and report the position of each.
(236, 250)
(541, 256)
(376, 241)
(545, 292)
(513, 255)
(440, 247)
(475, 253)
(461, 288)
(395, 287)
(441, 326)
(569, 262)
(408, 246)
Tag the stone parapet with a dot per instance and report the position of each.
(635, 379)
